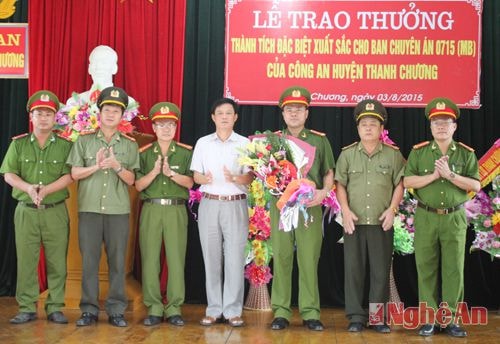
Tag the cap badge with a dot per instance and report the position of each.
(164, 110)
(370, 107)
(115, 93)
(440, 106)
(296, 93)
(44, 98)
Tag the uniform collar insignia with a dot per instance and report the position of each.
(155, 149)
(173, 148)
(303, 134)
(433, 146)
(453, 147)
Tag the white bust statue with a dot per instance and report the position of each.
(103, 64)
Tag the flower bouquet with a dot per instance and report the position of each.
(483, 212)
(404, 230)
(80, 115)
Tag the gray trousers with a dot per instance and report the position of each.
(223, 228)
(93, 229)
(368, 245)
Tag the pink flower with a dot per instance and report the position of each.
(487, 223)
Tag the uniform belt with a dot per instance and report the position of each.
(166, 201)
(225, 198)
(41, 206)
(440, 211)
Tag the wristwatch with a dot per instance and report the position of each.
(172, 173)
(452, 175)
(119, 169)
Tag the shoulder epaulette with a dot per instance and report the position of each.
(319, 133)
(188, 147)
(20, 136)
(145, 147)
(128, 137)
(86, 132)
(351, 145)
(421, 144)
(470, 149)
(59, 135)
(391, 146)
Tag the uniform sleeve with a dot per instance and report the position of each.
(472, 168)
(399, 168)
(67, 168)
(342, 167)
(328, 159)
(134, 161)
(196, 160)
(10, 162)
(411, 165)
(141, 171)
(75, 157)
(189, 157)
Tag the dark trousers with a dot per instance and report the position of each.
(93, 229)
(368, 245)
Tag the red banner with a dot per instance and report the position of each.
(402, 53)
(13, 50)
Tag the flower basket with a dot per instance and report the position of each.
(258, 298)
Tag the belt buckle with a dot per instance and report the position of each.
(441, 211)
(224, 198)
(41, 206)
(164, 201)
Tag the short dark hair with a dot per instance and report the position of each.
(223, 101)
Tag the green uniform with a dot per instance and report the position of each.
(104, 192)
(370, 182)
(103, 215)
(47, 225)
(307, 240)
(441, 237)
(167, 223)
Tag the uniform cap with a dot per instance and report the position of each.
(164, 110)
(43, 99)
(113, 95)
(442, 107)
(295, 95)
(372, 108)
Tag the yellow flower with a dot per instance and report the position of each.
(73, 112)
(495, 218)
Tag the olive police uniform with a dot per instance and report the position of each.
(370, 181)
(46, 225)
(164, 218)
(103, 211)
(440, 222)
(308, 239)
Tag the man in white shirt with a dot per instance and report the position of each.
(222, 214)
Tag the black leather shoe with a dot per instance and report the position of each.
(427, 330)
(455, 331)
(176, 320)
(86, 319)
(355, 327)
(279, 324)
(23, 317)
(117, 320)
(152, 320)
(313, 324)
(57, 317)
(381, 328)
